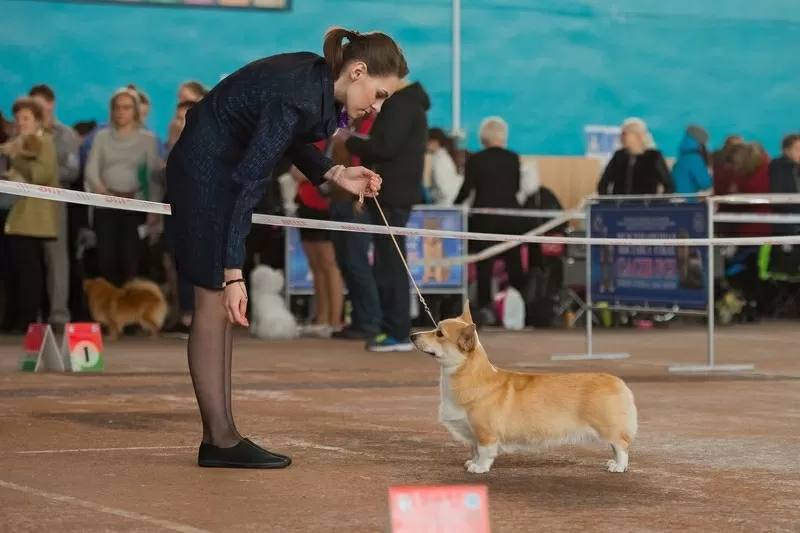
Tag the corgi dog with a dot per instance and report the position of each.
(137, 301)
(494, 410)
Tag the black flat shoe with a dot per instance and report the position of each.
(243, 455)
(276, 454)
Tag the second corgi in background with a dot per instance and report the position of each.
(494, 410)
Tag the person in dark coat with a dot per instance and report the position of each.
(638, 168)
(784, 178)
(218, 171)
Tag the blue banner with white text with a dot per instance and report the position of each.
(653, 275)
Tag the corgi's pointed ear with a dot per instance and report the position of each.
(467, 338)
(466, 316)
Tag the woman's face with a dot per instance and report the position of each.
(433, 145)
(793, 152)
(365, 93)
(632, 139)
(26, 122)
(123, 110)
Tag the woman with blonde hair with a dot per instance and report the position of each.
(638, 167)
(31, 221)
(121, 163)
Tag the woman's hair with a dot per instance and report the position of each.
(493, 130)
(196, 87)
(446, 142)
(126, 92)
(30, 104)
(788, 141)
(143, 98)
(377, 50)
(640, 127)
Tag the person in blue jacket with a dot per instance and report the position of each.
(218, 171)
(690, 171)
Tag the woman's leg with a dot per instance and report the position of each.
(207, 354)
(28, 256)
(334, 284)
(315, 263)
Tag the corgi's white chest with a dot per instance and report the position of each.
(451, 416)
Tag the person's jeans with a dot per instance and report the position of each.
(394, 288)
(352, 255)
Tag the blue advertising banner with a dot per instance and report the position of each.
(435, 279)
(652, 275)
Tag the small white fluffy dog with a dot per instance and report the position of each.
(271, 319)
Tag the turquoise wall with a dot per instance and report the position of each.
(547, 66)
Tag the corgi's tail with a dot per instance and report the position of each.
(631, 417)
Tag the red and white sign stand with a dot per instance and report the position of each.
(41, 350)
(83, 346)
(439, 509)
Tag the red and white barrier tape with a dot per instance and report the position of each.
(114, 202)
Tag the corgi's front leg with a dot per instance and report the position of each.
(474, 458)
(485, 458)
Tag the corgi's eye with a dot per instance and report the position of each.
(439, 333)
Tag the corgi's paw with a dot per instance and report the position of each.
(478, 467)
(469, 463)
(613, 466)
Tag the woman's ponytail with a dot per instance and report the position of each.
(333, 48)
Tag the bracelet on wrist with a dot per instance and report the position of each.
(231, 282)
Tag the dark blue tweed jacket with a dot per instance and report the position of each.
(238, 132)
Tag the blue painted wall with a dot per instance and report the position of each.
(547, 66)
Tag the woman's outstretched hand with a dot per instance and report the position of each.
(235, 298)
(359, 181)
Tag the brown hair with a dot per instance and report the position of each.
(44, 91)
(789, 141)
(29, 104)
(196, 87)
(377, 50)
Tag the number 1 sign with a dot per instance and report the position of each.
(84, 344)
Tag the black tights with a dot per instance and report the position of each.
(210, 356)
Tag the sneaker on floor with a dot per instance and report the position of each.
(385, 343)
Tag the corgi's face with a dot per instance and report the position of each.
(452, 342)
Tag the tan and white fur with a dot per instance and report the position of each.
(494, 410)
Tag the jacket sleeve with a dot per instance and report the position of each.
(608, 176)
(68, 161)
(92, 179)
(41, 169)
(387, 136)
(157, 175)
(469, 184)
(699, 173)
(663, 174)
(310, 161)
(271, 139)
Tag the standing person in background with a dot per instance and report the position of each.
(121, 163)
(6, 264)
(445, 179)
(690, 171)
(395, 149)
(352, 248)
(638, 167)
(56, 252)
(494, 175)
(317, 245)
(31, 221)
(784, 178)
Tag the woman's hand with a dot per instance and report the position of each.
(235, 298)
(358, 180)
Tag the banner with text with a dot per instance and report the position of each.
(653, 275)
(429, 278)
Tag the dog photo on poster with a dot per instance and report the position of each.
(299, 278)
